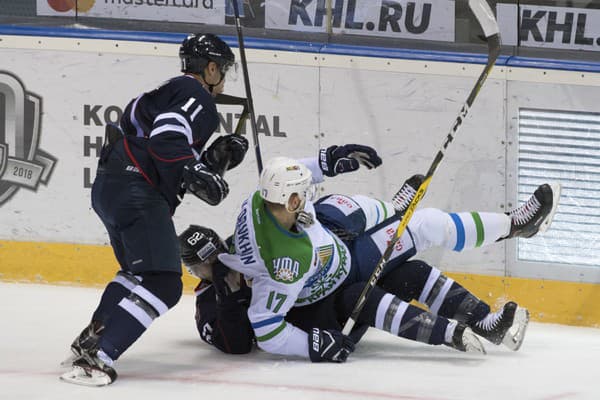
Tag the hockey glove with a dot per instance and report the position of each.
(329, 345)
(224, 280)
(204, 183)
(347, 158)
(225, 153)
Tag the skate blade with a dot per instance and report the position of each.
(472, 342)
(556, 189)
(68, 362)
(516, 334)
(80, 376)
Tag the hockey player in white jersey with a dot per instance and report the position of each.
(296, 253)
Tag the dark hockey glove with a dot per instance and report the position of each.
(225, 153)
(347, 158)
(224, 281)
(329, 345)
(204, 183)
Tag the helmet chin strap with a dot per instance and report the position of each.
(211, 87)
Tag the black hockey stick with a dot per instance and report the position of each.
(250, 103)
(235, 101)
(224, 158)
(486, 19)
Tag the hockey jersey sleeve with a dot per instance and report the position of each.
(270, 303)
(313, 165)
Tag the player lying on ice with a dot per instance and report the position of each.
(307, 264)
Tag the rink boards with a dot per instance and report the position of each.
(306, 97)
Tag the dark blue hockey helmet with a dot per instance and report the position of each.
(197, 244)
(199, 49)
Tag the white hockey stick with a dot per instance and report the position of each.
(488, 23)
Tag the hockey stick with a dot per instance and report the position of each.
(250, 103)
(488, 23)
(224, 158)
(235, 101)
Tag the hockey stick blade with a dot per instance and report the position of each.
(488, 23)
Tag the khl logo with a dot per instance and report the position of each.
(22, 163)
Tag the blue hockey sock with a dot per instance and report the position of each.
(416, 280)
(389, 313)
(120, 287)
(135, 313)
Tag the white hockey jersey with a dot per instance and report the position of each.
(287, 269)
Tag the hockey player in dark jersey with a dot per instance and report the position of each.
(157, 154)
(455, 313)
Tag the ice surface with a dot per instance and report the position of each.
(38, 323)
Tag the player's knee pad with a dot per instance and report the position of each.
(342, 215)
(432, 227)
(408, 280)
(157, 293)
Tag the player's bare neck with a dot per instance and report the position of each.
(201, 80)
(285, 218)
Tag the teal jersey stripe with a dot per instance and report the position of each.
(479, 227)
(272, 334)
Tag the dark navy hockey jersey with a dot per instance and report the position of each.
(224, 323)
(166, 128)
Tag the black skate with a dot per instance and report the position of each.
(465, 340)
(86, 341)
(91, 369)
(506, 326)
(536, 214)
(406, 194)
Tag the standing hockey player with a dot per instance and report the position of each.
(146, 166)
(296, 254)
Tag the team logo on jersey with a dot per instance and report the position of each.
(286, 269)
(325, 253)
(22, 163)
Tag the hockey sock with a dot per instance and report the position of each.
(389, 313)
(457, 231)
(476, 229)
(416, 280)
(115, 291)
(461, 305)
(135, 313)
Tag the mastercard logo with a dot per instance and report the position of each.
(68, 5)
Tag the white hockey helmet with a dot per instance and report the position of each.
(282, 177)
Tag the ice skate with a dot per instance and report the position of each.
(87, 340)
(91, 369)
(506, 326)
(536, 214)
(406, 194)
(465, 340)
(516, 334)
